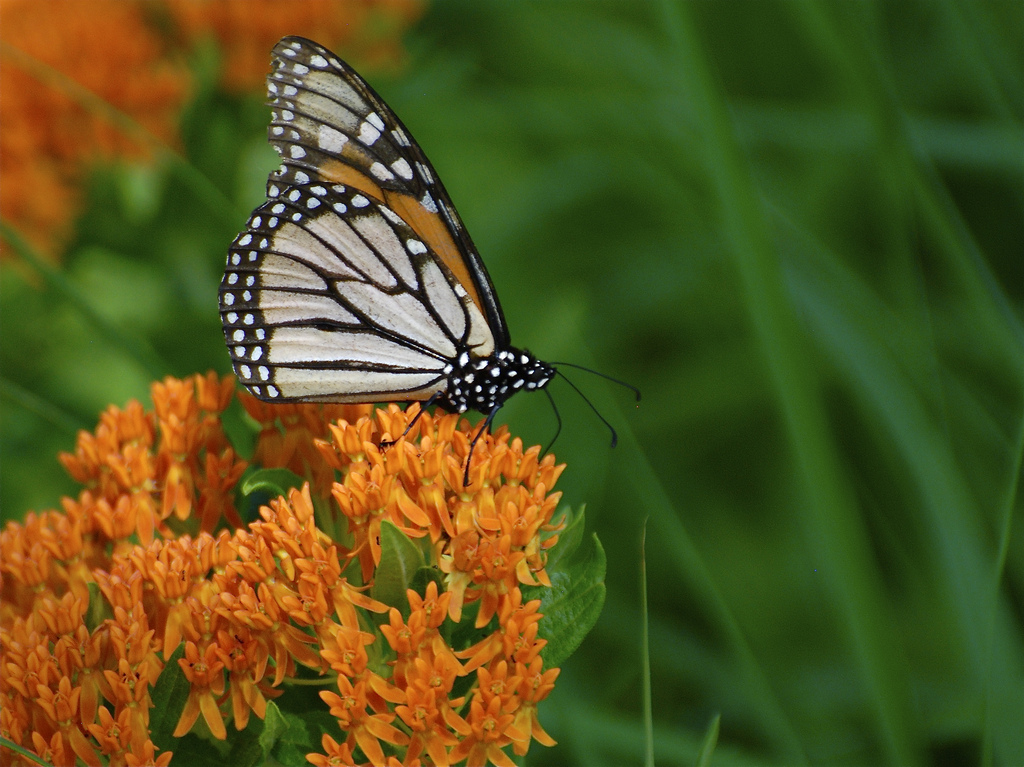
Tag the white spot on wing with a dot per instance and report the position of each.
(378, 170)
(367, 133)
(331, 139)
(428, 203)
(402, 168)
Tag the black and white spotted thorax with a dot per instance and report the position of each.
(484, 383)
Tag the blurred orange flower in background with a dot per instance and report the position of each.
(246, 30)
(49, 136)
(64, 66)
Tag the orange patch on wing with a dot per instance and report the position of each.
(340, 173)
(431, 228)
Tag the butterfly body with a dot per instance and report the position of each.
(356, 281)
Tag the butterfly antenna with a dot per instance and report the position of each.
(629, 386)
(615, 437)
(486, 426)
(558, 418)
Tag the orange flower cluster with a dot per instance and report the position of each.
(50, 136)
(143, 472)
(250, 605)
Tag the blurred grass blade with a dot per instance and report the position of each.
(646, 488)
(645, 653)
(45, 410)
(1005, 536)
(24, 752)
(830, 515)
(134, 347)
(707, 748)
(866, 342)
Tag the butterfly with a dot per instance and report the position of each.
(356, 281)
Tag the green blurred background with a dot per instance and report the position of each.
(798, 227)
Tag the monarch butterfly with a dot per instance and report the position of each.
(356, 280)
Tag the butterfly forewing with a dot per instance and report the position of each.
(330, 127)
(330, 295)
(356, 281)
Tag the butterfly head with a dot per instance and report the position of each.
(484, 383)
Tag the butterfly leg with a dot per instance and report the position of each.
(485, 427)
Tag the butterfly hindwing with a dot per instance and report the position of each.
(329, 126)
(330, 295)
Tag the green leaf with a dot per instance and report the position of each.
(169, 695)
(258, 738)
(262, 486)
(240, 428)
(197, 751)
(573, 603)
(295, 742)
(98, 610)
(569, 539)
(710, 741)
(424, 576)
(304, 735)
(400, 559)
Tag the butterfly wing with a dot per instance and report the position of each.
(329, 126)
(329, 295)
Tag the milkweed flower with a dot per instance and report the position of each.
(152, 575)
